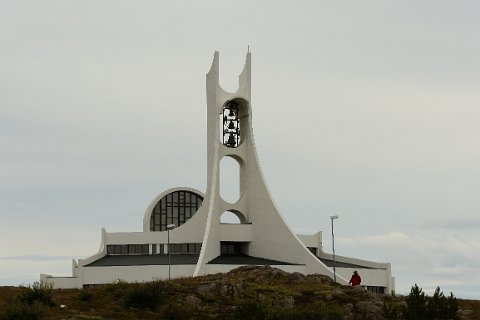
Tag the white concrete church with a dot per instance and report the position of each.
(182, 231)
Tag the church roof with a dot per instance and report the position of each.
(179, 259)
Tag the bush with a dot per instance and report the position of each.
(391, 312)
(313, 311)
(118, 288)
(22, 311)
(85, 295)
(38, 292)
(251, 310)
(176, 311)
(146, 295)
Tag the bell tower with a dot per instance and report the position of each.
(230, 134)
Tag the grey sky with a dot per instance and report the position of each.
(364, 109)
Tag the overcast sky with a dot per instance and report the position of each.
(365, 109)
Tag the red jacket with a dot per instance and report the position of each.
(355, 280)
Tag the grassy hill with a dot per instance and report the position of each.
(244, 293)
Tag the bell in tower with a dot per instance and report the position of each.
(231, 125)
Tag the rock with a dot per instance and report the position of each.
(320, 278)
(193, 299)
(370, 309)
(297, 276)
(238, 290)
(288, 302)
(464, 312)
(348, 308)
(338, 292)
(206, 288)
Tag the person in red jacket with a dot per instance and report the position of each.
(355, 280)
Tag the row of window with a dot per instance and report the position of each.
(185, 248)
(127, 249)
(374, 289)
(175, 248)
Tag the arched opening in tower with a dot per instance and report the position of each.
(231, 217)
(229, 179)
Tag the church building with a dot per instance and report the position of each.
(183, 234)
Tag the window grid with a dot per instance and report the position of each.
(127, 249)
(132, 249)
(174, 208)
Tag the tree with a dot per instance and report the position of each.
(415, 308)
(422, 307)
(440, 307)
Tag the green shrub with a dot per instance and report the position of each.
(22, 311)
(176, 311)
(38, 292)
(146, 295)
(85, 295)
(117, 288)
(391, 312)
(312, 311)
(251, 310)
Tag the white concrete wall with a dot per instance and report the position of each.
(311, 240)
(370, 277)
(103, 275)
(60, 282)
(366, 263)
(236, 232)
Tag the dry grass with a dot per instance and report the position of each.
(221, 296)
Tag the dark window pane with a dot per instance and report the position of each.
(174, 208)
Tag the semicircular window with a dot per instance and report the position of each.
(174, 208)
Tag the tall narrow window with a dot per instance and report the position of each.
(231, 125)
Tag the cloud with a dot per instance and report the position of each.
(32, 257)
(456, 224)
(16, 270)
(430, 258)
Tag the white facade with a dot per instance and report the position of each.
(200, 244)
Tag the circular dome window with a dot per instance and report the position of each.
(174, 208)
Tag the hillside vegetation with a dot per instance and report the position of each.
(244, 293)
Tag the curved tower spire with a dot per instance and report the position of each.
(271, 237)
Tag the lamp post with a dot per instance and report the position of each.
(333, 248)
(169, 227)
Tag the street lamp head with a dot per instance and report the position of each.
(334, 217)
(170, 226)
